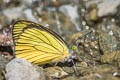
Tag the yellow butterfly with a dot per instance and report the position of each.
(38, 44)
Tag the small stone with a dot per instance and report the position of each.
(29, 15)
(93, 15)
(55, 72)
(20, 69)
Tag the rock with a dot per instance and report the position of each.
(99, 72)
(108, 7)
(105, 7)
(3, 62)
(72, 12)
(108, 43)
(2, 21)
(14, 13)
(111, 58)
(20, 69)
(29, 15)
(91, 16)
(6, 36)
(55, 72)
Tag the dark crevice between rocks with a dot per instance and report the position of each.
(7, 49)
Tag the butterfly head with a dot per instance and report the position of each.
(73, 53)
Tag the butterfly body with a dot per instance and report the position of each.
(38, 44)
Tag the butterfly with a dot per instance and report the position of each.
(38, 44)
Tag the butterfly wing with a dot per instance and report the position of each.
(38, 44)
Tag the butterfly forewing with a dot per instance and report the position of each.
(38, 44)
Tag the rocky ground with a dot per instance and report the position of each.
(91, 28)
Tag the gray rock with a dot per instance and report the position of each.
(29, 15)
(20, 69)
(108, 7)
(105, 7)
(72, 12)
(14, 13)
